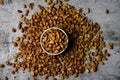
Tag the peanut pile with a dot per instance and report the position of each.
(85, 51)
(54, 41)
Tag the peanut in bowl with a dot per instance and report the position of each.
(54, 41)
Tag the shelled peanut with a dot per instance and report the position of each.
(1, 2)
(2, 65)
(5, 78)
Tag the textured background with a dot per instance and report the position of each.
(110, 24)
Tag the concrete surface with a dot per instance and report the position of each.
(110, 24)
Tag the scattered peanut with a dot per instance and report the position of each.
(7, 62)
(17, 39)
(15, 44)
(19, 11)
(107, 11)
(87, 10)
(1, 2)
(12, 72)
(5, 78)
(75, 75)
(33, 78)
(2, 65)
(24, 6)
(44, 0)
(94, 68)
(27, 12)
(19, 25)
(21, 30)
(87, 70)
(13, 30)
(46, 77)
(110, 45)
(101, 63)
(31, 5)
(54, 78)
(119, 42)
(49, 2)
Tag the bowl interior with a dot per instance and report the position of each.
(42, 43)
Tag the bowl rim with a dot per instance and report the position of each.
(42, 37)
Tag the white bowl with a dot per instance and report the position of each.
(44, 48)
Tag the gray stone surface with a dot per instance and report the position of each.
(110, 24)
